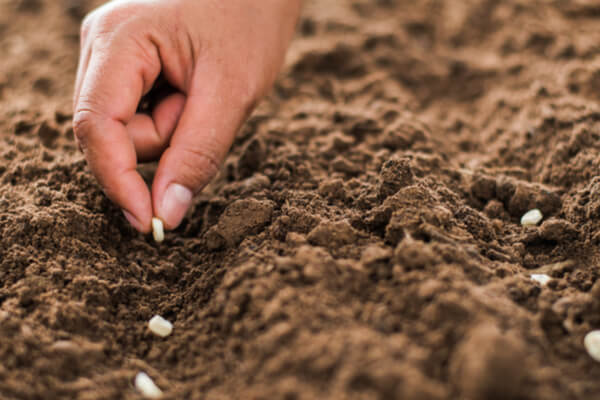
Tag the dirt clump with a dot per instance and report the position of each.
(361, 241)
(242, 218)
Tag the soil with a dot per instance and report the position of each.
(362, 240)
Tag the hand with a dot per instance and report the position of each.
(221, 56)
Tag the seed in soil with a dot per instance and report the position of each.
(592, 344)
(542, 279)
(531, 217)
(146, 386)
(160, 326)
(158, 230)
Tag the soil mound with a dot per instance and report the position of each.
(363, 239)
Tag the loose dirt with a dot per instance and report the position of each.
(362, 240)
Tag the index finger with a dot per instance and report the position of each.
(111, 90)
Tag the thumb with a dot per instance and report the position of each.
(204, 133)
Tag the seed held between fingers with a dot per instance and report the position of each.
(158, 230)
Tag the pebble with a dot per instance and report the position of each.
(160, 326)
(146, 386)
(158, 230)
(541, 278)
(592, 344)
(531, 217)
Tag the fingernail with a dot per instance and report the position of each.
(176, 201)
(132, 220)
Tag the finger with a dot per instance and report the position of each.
(203, 136)
(84, 60)
(151, 134)
(113, 84)
(111, 156)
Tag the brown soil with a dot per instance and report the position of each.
(363, 238)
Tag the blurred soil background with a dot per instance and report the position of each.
(362, 240)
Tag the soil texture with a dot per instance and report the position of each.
(363, 238)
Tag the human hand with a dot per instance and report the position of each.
(221, 56)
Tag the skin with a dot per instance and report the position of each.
(221, 56)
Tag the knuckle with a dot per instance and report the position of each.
(203, 159)
(112, 15)
(118, 14)
(106, 19)
(244, 89)
(112, 23)
(86, 25)
(82, 121)
(248, 95)
(248, 99)
(200, 166)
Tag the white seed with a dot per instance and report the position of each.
(531, 217)
(157, 230)
(160, 326)
(541, 278)
(592, 344)
(146, 386)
